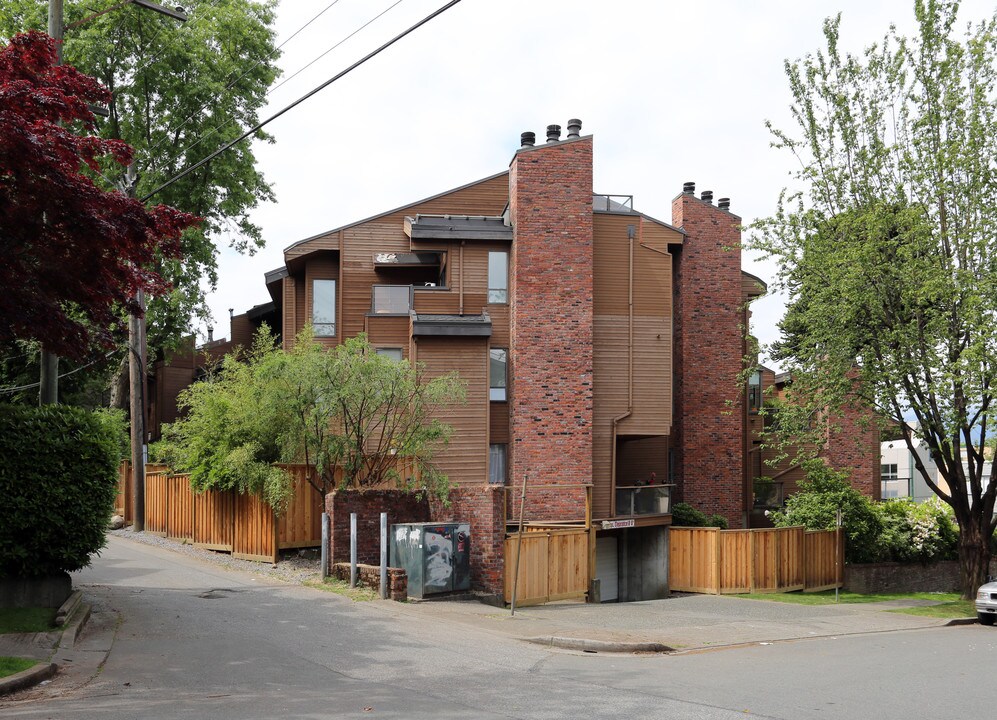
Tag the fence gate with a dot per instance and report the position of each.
(554, 565)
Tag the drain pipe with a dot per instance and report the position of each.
(631, 234)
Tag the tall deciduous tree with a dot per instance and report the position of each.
(73, 253)
(888, 250)
(180, 91)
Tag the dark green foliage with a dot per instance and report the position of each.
(58, 481)
(685, 515)
(816, 505)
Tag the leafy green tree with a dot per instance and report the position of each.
(180, 91)
(353, 414)
(887, 249)
(816, 506)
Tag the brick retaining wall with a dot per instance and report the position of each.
(942, 576)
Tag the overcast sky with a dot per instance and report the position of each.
(671, 91)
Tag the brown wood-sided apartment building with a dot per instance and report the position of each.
(600, 346)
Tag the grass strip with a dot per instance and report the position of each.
(26, 620)
(826, 597)
(13, 665)
(341, 587)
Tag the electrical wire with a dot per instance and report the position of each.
(259, 126)
(230, 85)
(9, 390)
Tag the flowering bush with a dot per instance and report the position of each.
(918, 531)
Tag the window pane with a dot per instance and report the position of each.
(496, 464)
(324, 307)
(391, 299)
(393, 353)
(497, 372)
(498, 277)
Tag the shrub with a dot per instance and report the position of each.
(685, 515)
(815, 506)
(918, 531)
(58, 481)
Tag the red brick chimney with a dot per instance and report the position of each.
(551, 315)
(709, 348)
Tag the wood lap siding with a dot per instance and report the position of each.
(652, 366)
(465, 459)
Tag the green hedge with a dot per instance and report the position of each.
(58, 481)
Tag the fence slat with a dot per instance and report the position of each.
(708, 560)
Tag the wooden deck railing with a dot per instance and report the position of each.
(710, 560)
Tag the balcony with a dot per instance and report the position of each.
(636, 500)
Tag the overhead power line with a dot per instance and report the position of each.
(256, 128)
(230, 85)
(208, 135)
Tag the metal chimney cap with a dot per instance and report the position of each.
(574, 128)
(553, 133)
(707, 196)
(527, 139)
(689, 188)
(723, 203)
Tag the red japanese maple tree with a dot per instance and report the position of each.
(72, 254)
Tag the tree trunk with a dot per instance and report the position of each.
(974, 555)
(119, 386)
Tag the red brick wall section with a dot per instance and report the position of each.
(709, 354)
(370, 576)
(551, 318)
(482, 506)
(853, 446)
(402, 507)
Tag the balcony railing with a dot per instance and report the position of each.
(633, 500)
(895, 488)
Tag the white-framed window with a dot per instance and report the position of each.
(498, 374)
(395, 354)
(497, 463)
(324, 308)
(498, 277)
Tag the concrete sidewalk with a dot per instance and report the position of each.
(681, 623)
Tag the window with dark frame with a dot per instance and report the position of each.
(497, 463)
(393, 353)
(498, 277)
(324, 308)
(498, 373)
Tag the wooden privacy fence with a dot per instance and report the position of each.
(234, 522)
(710, 560)
(554, 565)
(123, 500)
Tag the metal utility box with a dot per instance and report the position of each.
(435, 556)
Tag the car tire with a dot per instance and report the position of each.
(986, 618)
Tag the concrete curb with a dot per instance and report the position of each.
(27, 678)
(74, 626)
(596, 646)
(961, 621)
(66, 610)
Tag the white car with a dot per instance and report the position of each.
(986, 603)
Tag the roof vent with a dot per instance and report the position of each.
(528, 139)
(574, 128)
(707, 196)
(689, 188)
(723, 203)
(553, 133)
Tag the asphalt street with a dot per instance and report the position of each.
(193, 640)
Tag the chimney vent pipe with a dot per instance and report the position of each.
(528, 139)
(723, 203)
(574, 128)
(553, 133)
(689, 188)
(707, 196)
(211, 333)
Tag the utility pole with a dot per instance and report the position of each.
(48, 378)
(136, 387)
(48, 393)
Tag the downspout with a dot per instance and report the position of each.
(631, 233)
(460, 309)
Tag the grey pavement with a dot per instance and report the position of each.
(682, 622)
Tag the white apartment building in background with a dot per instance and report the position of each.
(900, 478)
